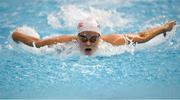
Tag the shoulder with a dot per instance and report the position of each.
(67, 37)
(110, 36)
(114, 39)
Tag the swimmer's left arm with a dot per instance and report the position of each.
(148, 34)
(141, 37)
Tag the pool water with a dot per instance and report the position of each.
(150, 70)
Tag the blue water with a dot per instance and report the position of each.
(153, 72)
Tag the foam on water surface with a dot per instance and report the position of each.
(69, 15)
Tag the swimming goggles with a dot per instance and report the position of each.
(88, 37)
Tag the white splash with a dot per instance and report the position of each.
(69, 15)
(28, 30)
(53, 21)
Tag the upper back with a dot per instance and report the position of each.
(114, 39)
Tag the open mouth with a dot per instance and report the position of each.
(88, 49)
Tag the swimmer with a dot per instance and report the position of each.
(89, 36)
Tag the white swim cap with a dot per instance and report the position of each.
(88, 24)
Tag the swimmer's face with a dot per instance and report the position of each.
(88, 42)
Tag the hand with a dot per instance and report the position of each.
(18, 30)
(169, 25)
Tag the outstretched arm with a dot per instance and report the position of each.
(141, 37)
(151, 33)
(31, 41)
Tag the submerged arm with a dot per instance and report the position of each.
(31, 41)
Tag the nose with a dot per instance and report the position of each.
(88, 43)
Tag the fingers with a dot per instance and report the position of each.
(18, 29)
(171, 22)
(169, 25)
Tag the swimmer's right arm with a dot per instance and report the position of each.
(32, 41)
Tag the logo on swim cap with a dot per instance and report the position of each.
(80, 24)
(88, 24)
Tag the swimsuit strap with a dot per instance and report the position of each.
(128, 41)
